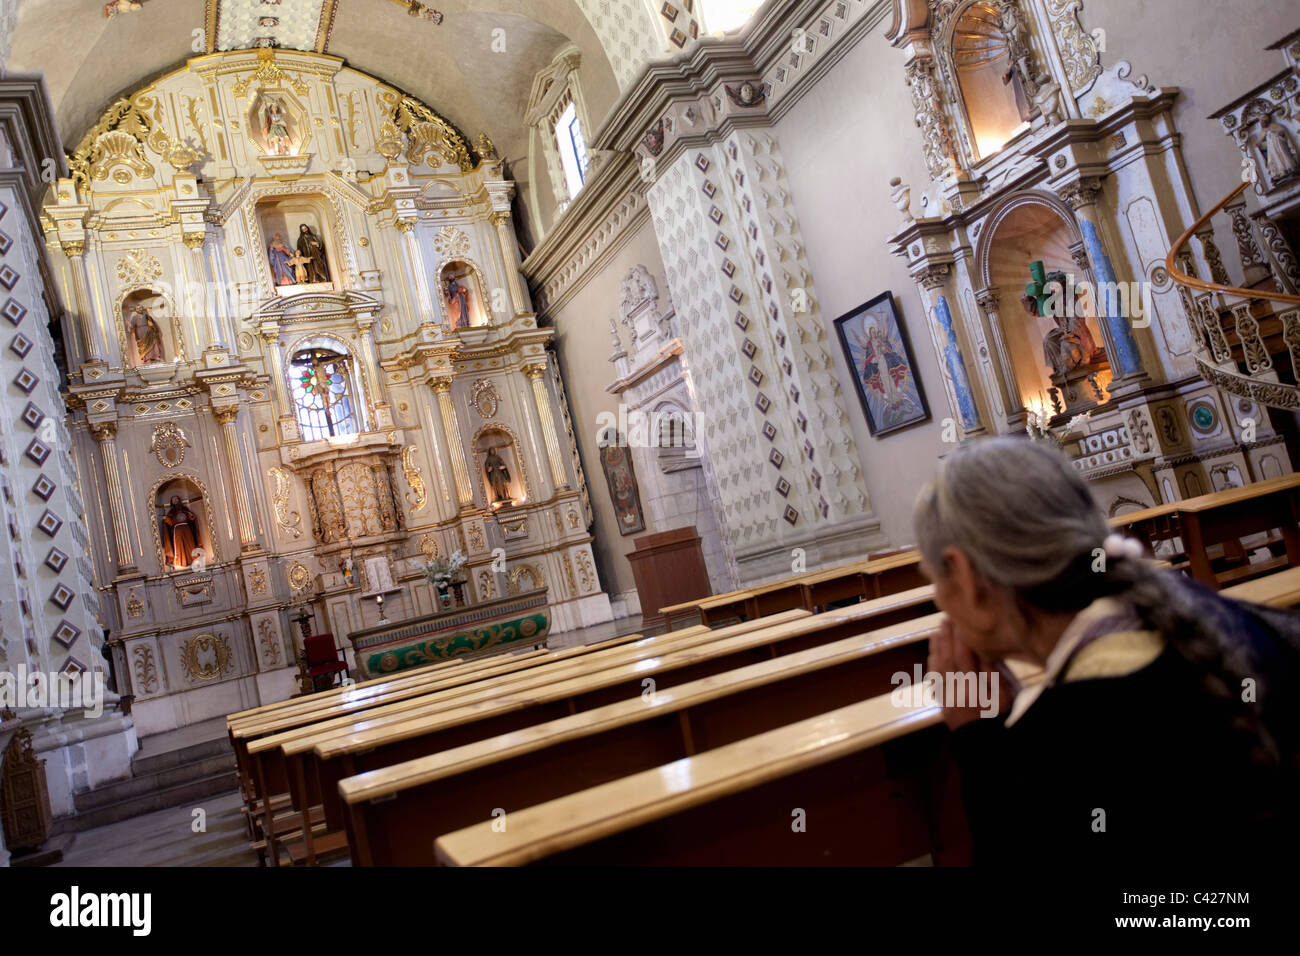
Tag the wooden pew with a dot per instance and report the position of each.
(1229, 515)
(315, 762)
(262, 791)
(393, 815)
(862, 775)
(269, 771)
(860, 579)
(839, 583)
(732, 805)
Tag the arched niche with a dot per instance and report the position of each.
(148, 328)
(991, 99)
(672, 429)
(326, 388)
(1035, 227)
(500, 467)
(182, 523)
(463, 295)
(298, 244)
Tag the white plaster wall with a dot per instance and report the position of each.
(843, 141)
(584, 344)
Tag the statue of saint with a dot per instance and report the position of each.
(182, 533)
(275, 124)
(311, 248)
(282, 265)
(498, 476)
(1279, 155)
(147, 336)
(457, 304)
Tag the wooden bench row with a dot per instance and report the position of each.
(811, 591)
(869, 783)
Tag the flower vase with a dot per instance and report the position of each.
(444, 595)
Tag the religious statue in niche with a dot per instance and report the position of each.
(623, 491)
(295, 251)
(1279, 155)
(312, 249)
(1070, 349)
(459, 295)
(183, 540)
(498, 476)
(145, 335)
(275, 126)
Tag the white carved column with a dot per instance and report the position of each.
(456, 446)
(93, 333)
(106, 435)
(990, 302)
(535, 372)
(415, 261)
(275, 369)
(204, 300)
(373, 374)
(518, 298)
(225, 417)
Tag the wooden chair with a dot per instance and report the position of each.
(323, 659)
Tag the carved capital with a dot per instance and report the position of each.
(441, 385)
(194, 240)
(534, 370)
(225, 414)
(988, 300)
(404, 225)
(74, 248)
(500, 217)
(1081, 192)
(933, 277)
(103, 431)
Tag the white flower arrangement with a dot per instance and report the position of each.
(441, 571)
(1036, 427)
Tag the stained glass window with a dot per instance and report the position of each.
(321, 380)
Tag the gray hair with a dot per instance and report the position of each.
(1020, 513)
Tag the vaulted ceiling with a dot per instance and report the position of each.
(475, 67)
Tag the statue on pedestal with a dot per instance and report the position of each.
(182, 533)
(498, 476)
(147, 336)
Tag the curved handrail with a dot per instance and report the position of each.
(1192, 282)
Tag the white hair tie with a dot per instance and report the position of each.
(1117, 546)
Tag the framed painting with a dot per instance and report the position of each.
(884, 372)
(621, 479)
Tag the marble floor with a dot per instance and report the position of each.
(173, 837)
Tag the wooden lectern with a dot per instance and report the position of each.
(669, 569)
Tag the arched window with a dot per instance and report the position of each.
(573, 147)
(321, 381)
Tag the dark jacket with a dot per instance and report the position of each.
(1142, 765)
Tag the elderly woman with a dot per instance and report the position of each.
(1165, 726)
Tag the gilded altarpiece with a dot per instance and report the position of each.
(292, 297)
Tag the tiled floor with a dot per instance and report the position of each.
(168, 837)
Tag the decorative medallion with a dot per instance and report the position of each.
(206, 657)
(134, 607)
(137, 266)
(168, 444)
(484, 398)
(257, 580)
(299, 577)
(429, 547)
(451, 243)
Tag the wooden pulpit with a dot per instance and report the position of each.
(668, 568)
